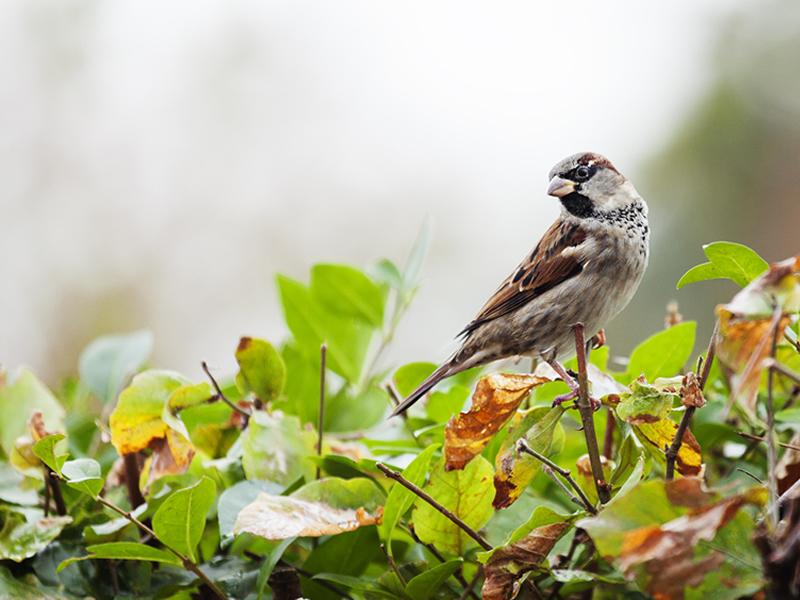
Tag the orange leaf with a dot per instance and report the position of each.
(496, 399)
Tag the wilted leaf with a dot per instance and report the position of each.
(107, 363)
(324, 507)
(235, 498)
(136, 420)
(663, 354)
(514, 471)
(647, 408)
(466, 493)
(172, 455)
(261, 369)
(19, 400)
(180, 520)
(508, 564)
(400, 499)
(275, 447)
(749, 322)
(691, 392)
(26, 532)
(728, 260)
(496, 399)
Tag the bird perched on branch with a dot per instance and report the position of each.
(585, 269)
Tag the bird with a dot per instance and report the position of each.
(585, 269)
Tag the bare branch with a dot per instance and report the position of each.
(587, 416)
(773, 509)
(391, 474)
(758, 438)
(323, 355)
(677, 441)
(220, 393)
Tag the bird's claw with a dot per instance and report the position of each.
(599, 340)
(573, 396)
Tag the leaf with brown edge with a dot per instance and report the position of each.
(748, 323)
(508, 564)
(514, 471)
(324, 507)
(647, 407)
(496, 399)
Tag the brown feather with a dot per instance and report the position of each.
(545, 268)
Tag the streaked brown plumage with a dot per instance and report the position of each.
(585, 269)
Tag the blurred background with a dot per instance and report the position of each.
(160, 162)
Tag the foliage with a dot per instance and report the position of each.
(184, 488)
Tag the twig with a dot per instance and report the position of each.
(459, 575)
(608, 439)
(131, 462)
(46, 490)
(323, 354)
(185, 560)
(468, 593)
(582, 499)
(773, 509)
(677, 441)
(221, 395)
(391, 474)
(587, 416)
(393, 565)
(749, 474)
(58, 498)
(396, 399)
(774, 365)
(757, 438)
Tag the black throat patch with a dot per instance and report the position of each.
(578, 205)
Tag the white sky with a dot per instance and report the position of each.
(160, 161)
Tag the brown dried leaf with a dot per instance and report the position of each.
(172, 455)
(668, 578)
(691, 392)
(508, 564)
(496, 399)
(282, 517)
(788, 467)
(747, 325)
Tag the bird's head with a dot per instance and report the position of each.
(587, 183)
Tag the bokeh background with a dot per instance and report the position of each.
(160, 162)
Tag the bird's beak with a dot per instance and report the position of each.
(560, 187)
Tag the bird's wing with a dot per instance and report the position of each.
(552, 262)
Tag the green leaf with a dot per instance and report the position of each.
(354, 493)
(348, 292)
(541, 516)
(28, 587)
(301, 393)
(45, 450)
(663, 354)
(467, 493)
(275, 447)
(123, 551)
(311, 325)
(235, 498)
(426, 584)
(261, 369)
(387, 272)
(26, 532)
(409, 376)
(107, 363)
(84, 475)
(13, 489)
(18, 401)
(349, 411)
(269, 564)
(728, 260)
(400, 499)
(788, 415)
(443, 405)
(179, 522)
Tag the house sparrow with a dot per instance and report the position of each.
(585, 269)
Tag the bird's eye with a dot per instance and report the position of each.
(582, 173)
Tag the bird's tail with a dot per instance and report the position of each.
(423, 388)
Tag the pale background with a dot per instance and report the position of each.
(159, 162)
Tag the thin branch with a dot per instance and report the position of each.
(773, 509)
(396, 399)
(587, 416)
(750, 475)
(468, 593)
(46, 470)
(323, 355)
(581, 499)
(774, 365)
(131, 462)
(459, 575)
(758, 438)
(393, 565)
(677, 441)
(185, 560)
(221, 395)
(391, 474)
(58, 498)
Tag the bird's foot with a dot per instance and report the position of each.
(569, 396)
